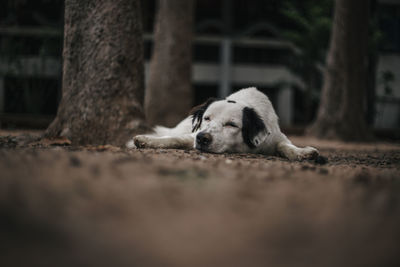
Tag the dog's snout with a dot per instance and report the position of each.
(204, 139)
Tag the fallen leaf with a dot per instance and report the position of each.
(56, 141)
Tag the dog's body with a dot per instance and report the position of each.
(244, 122)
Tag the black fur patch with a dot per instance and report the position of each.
(198, 112)
(252, 125)
(231, 101)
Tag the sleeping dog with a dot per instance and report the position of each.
(244, 122)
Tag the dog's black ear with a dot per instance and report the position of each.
(254, 130)
(198, 111)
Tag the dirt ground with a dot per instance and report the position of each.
(105, 206)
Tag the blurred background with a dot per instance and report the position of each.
(277, 45)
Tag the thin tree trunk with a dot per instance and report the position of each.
(169, 93)
(103, 76)
(342, 109)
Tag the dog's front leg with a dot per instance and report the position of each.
(171, 142)
(292, 152)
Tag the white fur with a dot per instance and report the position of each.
(224, 137)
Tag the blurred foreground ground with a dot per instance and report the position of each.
(105, 206)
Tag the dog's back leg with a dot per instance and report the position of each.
(150, 141)
(287, 150)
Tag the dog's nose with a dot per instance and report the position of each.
(203, 139)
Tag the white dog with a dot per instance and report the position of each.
(244, 122)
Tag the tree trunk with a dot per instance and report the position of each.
(342, 109)
(103, 74)
(169, 93)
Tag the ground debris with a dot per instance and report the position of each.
(8, 142)
(187, 208)
(49, 142)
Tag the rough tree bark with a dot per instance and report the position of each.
(169, 93)
(341, 113)
(103, 73)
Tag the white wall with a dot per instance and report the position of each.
(388, 111)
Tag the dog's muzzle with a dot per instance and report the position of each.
(203, 140)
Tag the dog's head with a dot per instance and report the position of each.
(227, 126)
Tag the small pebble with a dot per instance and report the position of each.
(202, 157)
(228, 161)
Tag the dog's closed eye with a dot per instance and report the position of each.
(207, 118)
(231, 124)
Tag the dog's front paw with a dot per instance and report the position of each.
(307, 153)
(141, 141)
